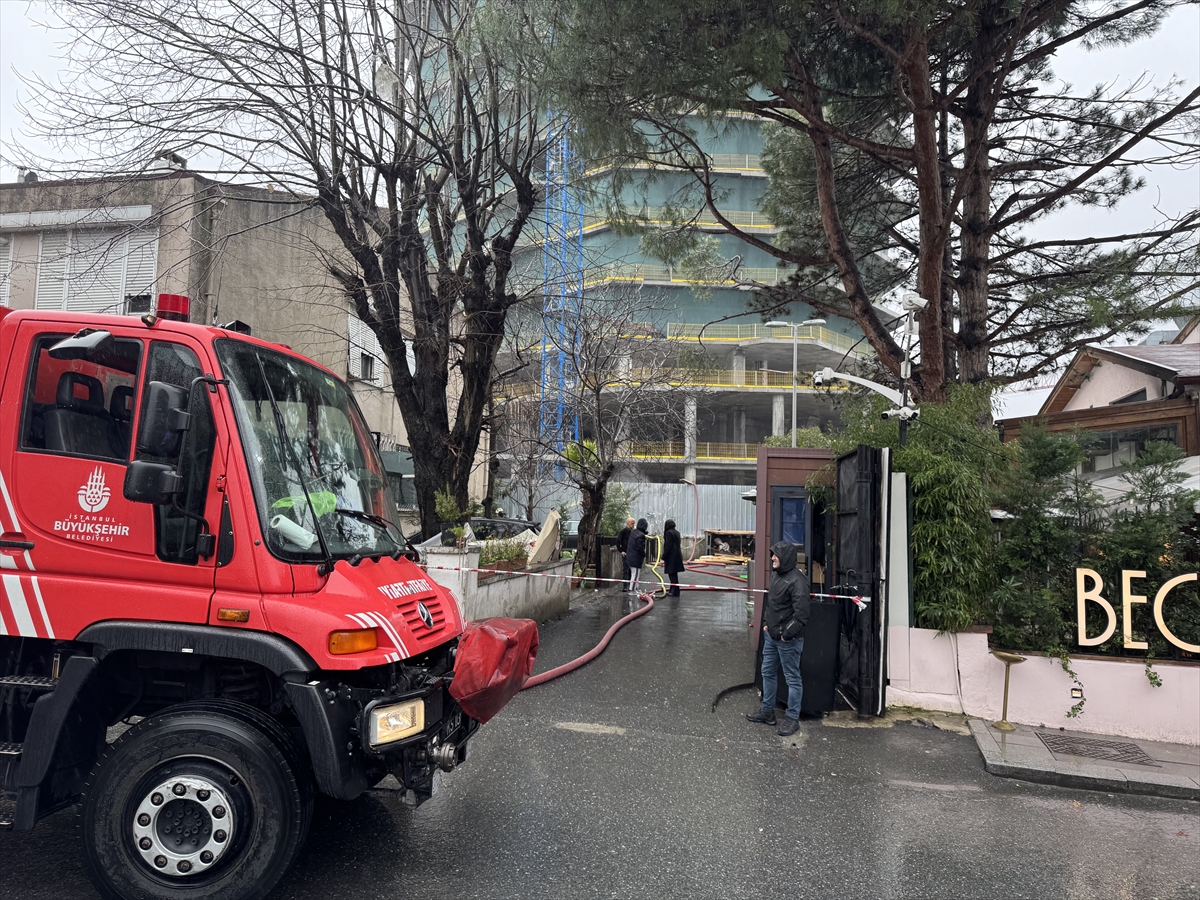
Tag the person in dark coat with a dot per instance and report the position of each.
(785, 613)
(672, 556)
(622, 545)
(635, 552)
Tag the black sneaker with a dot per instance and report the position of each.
(788, 727)
(761, 717)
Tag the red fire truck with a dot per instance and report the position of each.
(197, 540)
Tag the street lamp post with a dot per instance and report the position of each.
(795, 360)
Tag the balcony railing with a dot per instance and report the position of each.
(679, 331)
(729, 162)
(729, 378)
(612, 272)
(748, 379)
(658, 215)
(675, 450)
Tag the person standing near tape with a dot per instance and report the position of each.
(672, 555)
(622, 546)
(785, 613)
(635, 552)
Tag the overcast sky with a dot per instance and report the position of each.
(1175, 50)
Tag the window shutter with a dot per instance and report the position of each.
(6, 252)
(96, 272)
(364, 341)
(52, 270)
(141, 265)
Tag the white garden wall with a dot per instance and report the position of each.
(956, 673)
(517, 596)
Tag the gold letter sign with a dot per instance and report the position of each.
(1158, 619)
(1082, 595)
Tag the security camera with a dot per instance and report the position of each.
(823, 375)
(911, 301)
(904, 413)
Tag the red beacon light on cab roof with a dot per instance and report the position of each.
(174, 307)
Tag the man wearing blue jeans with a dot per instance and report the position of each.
(785, 613)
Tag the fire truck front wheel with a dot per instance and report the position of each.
(194, 802)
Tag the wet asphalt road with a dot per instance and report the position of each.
(618, 782)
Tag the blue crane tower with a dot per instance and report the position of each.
(562, 268)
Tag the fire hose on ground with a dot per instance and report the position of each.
(576, 663)
(647, 596)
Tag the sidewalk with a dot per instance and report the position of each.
(1094, 761)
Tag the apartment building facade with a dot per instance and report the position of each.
(242, 255)
(741, 374)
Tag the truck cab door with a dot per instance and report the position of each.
(69, 431)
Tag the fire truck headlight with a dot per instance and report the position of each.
(396, 721)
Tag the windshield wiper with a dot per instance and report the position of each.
(286, 445)
(378, 521)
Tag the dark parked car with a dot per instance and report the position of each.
(570, 535)
(492, 529)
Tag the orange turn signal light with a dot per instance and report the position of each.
(343, 642)
(225, 614)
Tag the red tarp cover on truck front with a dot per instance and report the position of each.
(494, 658)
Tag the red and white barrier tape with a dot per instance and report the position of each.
(861, 600)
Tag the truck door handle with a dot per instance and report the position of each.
(7, 543)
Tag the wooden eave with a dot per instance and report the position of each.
(1081, 367)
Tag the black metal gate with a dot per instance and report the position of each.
(856, 571)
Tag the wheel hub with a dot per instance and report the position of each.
(183, 826)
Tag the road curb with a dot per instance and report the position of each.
(1042, 767)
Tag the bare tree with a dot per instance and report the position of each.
(621, 384)
(519, 439)
(415, 126)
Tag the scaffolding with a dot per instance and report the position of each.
(562, 264)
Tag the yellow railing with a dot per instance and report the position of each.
(726, 333)
(748, 379)
(658, 215)
(746, 219)
(736, 162)
(610, 272)
(732, 378)
(680, 331)
(651, 450)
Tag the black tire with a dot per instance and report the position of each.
(297, 761)
(241, 763)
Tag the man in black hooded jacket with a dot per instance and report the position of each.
(785, 613)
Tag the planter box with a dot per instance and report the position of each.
(517, 595)
(956, 673)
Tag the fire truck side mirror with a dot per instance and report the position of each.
(165, 421)
(82, 345)
(148, 482)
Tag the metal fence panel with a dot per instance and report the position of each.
(721, 505)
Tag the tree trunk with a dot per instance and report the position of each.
(930, 375)
(974, 266)
(591, 511)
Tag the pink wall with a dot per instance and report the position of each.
(956, 673)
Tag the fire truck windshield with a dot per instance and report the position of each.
(319, 485)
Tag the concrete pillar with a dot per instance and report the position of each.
(778, 422)
(625, 365)
(689, 473)
(739, 366)
(739, 424)
(689, 431)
